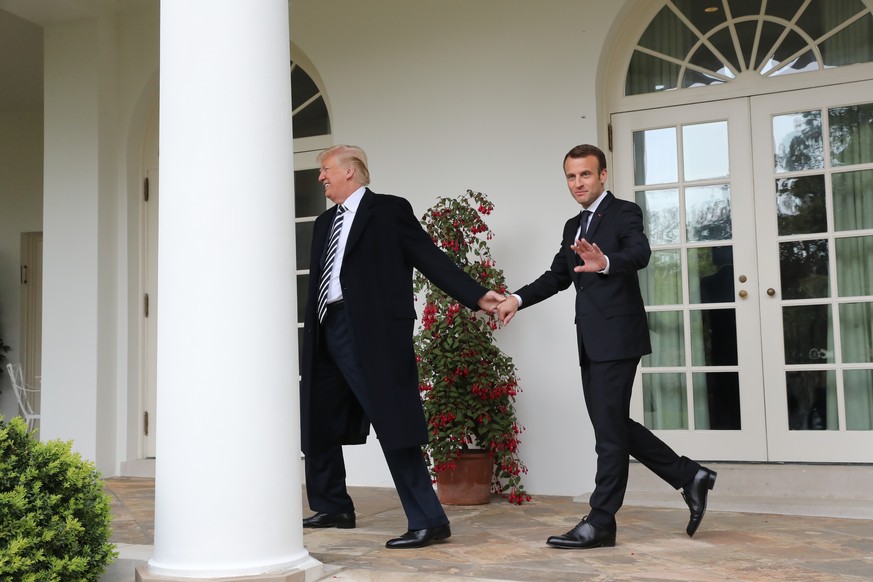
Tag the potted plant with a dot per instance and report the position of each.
(468, 386)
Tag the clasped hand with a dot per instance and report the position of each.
(503, 306)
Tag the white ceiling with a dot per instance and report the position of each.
(21, 43)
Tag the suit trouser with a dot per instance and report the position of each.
(325, 466)
(607, 387)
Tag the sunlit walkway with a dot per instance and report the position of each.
(499, 541)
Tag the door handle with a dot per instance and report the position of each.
(743, 294)
(771, 291)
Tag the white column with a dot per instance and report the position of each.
(228, 483)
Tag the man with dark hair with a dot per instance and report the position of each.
(358, 365)
(600, 254)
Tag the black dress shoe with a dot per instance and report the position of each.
(584, 535)
(417, 538)
(695, 493)
(338, 520)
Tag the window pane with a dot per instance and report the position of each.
(302, 296)
(303, 237)
(668, 35)
(812, 400)
(802, 64)
(821, 16)
(655, 157)
(302, 88)
(858, 388)
(800, 205)
(714, 337)
(784, 9)
(668, 339)
(665, 402)
(724, 43)
(696, 12)
(716, 400)
(705, 151)
(851, 134)
(808, 333)
(708, 213)
(855, 266)
(312, 120)
(711, 274)
(850, 46)
(853, 200)
(744, 7)
(798, 141)
(856, 332)
(705, 59)
(648, 74)
(692, 78)
(746, 32)
(309, 197)
(803, 269)
(770, 33)
(661, 281)
(660, 215)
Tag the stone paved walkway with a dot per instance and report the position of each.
(499, 541)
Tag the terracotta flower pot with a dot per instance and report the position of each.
(469, 483)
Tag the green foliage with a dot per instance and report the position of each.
(468, 386)
(54, 512)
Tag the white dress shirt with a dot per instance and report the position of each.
(334, 290)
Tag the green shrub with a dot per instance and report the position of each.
(54, 512)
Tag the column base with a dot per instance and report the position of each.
(307, 573)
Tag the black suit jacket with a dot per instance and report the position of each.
(385, 243)
(610, 315)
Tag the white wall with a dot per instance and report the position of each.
(20, 211)
(101, 81)
(486, 95)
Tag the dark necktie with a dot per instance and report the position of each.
(586, 218)
(332, 243)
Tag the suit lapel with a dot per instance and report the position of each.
(362, 216)
(602, 208)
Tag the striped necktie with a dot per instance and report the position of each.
(330, 255)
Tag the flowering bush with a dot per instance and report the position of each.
(468, 386)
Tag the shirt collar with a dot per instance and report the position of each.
(596, 203)
(354, 200)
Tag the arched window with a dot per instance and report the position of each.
(309, 111)
(311, 129)
(695, 43)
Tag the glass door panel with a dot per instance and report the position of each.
(813, 153)
(688, 170)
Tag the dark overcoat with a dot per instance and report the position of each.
(610, 314)
(386, 242)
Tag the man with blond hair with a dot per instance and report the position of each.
(358, 363)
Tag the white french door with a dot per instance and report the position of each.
(814, 206)
(759, 292)
(688, 168)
